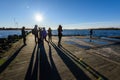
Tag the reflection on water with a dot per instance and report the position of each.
(95, 41)
(75, 41)
(78, 45)
(111, 39)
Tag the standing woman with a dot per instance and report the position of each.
(49, 34)
(59, 34)
(23, 35)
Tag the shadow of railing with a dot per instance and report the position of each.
(76, 71)
(4, 65)
(84, 65)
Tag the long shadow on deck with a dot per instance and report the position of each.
(45, 69)
(76, 71)
(55, 74)
(33, 68)
(35, 73)
(28, 75)
(39, 67)
(4, 65)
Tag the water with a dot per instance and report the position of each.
(5, 33)
(97, 33)
(72, 32)
(106, 33)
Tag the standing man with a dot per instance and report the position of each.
(35, 32)
(91, 33)
(59, 34)
(23, 35)
(49, 34)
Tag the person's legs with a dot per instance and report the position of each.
(90, 36)
(51, 38)
(36, 38)
(59, 41)
(24, 40)
(46, 40)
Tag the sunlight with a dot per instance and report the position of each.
(38, 17)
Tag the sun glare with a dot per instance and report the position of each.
(38, 17)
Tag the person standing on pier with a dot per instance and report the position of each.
(91, 33)
(35, 32)
(23, 35)
(44, 34)
(49, 34)
(59, 34)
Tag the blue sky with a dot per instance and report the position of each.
(75, 14)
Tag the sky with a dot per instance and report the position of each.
(71, 14)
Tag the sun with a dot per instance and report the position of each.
(38, 17)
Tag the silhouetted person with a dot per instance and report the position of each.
(35, 32)
(59, 34)
(91, 33)
(40, 36)
(44, 34)
(23, 35)
(49, 34)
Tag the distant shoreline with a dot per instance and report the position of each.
(64, 29)
(14, 28)
(96, 29)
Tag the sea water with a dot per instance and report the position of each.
(5, 33)
(97, 33)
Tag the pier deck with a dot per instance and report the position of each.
(74, 60)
